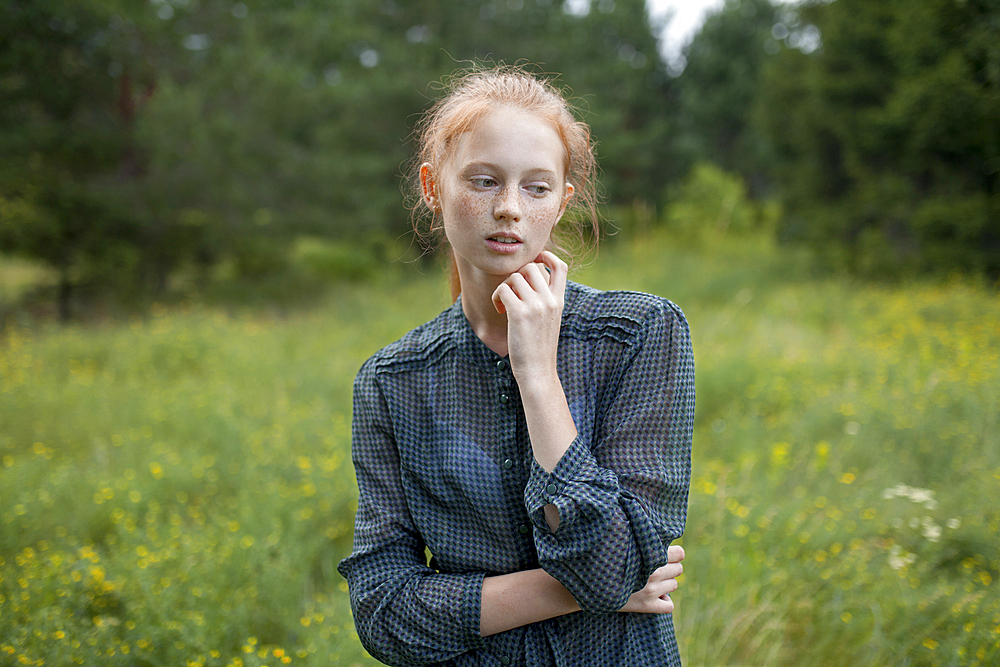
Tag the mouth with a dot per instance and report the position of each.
(503, 243)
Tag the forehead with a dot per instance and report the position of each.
(511, 138)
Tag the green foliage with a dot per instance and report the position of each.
(145, 143)
(144, 139)
(886, 137)
(817, 398)
(710, 204)
(200, 519)
(61, 131)
(335, 261)
(715, 92)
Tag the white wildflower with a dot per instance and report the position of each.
(932, 531)
(898, 559)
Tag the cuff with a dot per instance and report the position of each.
(576, 483)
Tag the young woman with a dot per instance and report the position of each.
(535, 437)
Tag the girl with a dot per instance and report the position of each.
(535, 437)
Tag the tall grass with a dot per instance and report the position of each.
(176, 490)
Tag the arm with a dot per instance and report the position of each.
(619, 492)
(405, 612)
(533, 302)
(520, 598)
(621, 488)
(512, 600)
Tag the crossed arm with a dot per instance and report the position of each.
(533, 302)
(520, 598)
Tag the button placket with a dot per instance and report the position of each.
(514, 464)
(504, 381)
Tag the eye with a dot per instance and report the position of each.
(483, 181)
(538, 188)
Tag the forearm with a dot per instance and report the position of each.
(550, 427)
(546, 413)
(520, 598)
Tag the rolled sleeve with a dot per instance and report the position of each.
(622, 497)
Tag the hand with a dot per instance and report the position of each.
(654, 597)
(532, 298)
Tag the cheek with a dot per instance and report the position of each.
(463, 205)
(473, 207)
(547, 212)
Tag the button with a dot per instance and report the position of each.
(551, 489)
(504, 660)
(523, 529)
(502, 365)
(504, 399)
(508, 464)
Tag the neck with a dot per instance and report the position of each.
(477, 305)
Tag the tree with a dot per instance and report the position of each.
(178, 135)
(716, 90)
(886, 138)
(63, 126)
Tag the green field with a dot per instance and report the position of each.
(176, 489)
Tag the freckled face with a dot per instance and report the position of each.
(501, 192)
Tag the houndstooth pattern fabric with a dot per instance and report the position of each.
(444, 466)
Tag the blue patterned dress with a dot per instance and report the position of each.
(444, 466)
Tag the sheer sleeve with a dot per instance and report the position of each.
(622, 487)
(406, 613)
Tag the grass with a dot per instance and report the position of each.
(177, 489)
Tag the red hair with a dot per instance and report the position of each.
(470, 96)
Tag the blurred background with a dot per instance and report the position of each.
(156, 147)
(203, 234)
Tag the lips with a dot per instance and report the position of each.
(503, 243)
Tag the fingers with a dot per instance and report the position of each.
(660, 584)
(558, 272)
(545, 276)
(516, 289)
(668, 571)
(654, 597)
(501, 295)
(531, 278)
(648, 601)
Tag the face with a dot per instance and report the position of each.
(500, 193)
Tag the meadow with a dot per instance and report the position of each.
(176, 489)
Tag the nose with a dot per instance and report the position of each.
(507, 205)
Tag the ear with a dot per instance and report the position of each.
(568, 192)
(428, 188)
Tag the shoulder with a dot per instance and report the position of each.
(632, 312)
(417, 348)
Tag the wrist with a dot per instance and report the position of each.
(539, 385)
(551, 429)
